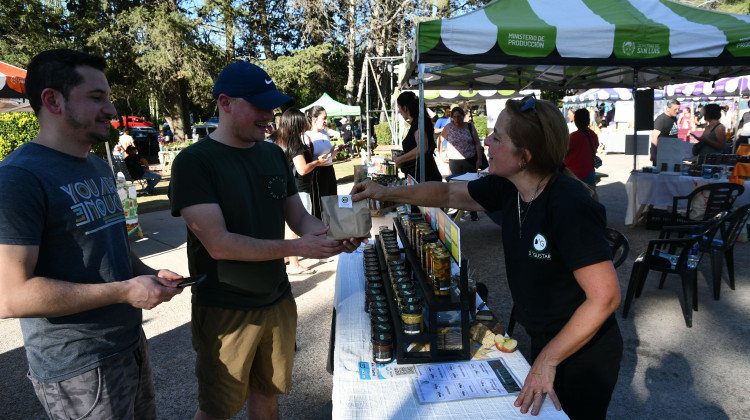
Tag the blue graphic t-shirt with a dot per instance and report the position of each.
(69, 207)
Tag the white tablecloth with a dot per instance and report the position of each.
(659, 190)
(396, 398)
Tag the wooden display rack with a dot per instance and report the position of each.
(404, 344)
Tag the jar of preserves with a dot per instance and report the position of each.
(426, 236)
(411, 315)
(404, 294)
(441, 271)
(379, 309)
(428, 241)
(381, 327)
(392, 253)
(382, 348)
(380, 319)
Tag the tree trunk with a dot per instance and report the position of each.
(351, 43)
(264, 29)
(174, 99)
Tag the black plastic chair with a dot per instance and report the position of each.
(720, 245)
(719, 197)
(673, 256)
(620, 247)
(724, 249)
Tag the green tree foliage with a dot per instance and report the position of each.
(27, 27)
(308, 73)
(16, 128)
(481, 125)
(383, 133)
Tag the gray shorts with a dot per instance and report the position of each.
(122, 388)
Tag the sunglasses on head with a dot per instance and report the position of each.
(529, 103)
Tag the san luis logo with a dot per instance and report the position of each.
(628, 48)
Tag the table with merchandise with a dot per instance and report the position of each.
(483, 387)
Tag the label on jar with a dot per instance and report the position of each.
(412, 323)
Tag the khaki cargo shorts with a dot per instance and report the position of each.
(238, 350)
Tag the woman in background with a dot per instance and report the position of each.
(324, 177)
(408, 107)
(714, 137)
(583, 145)
(289, 136)
(464, 149)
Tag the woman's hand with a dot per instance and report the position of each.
(540, 381)
(367, 189)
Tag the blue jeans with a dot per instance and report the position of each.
(151, 179)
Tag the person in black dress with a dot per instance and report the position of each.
(409, 162)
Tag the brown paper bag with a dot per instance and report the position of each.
(345, 218)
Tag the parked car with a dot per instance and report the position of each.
(131, 121)
(146, 140)
(201, 131)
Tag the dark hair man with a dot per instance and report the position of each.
(235, 192)
(68, 272)
(665, 125)
(138, 168)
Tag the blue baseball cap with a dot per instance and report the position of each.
(251, 83)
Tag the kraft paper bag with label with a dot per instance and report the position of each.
(345, 218)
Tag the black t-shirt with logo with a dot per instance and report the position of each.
(563, 230)
(666, 125)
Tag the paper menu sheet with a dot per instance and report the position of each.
(465, 380)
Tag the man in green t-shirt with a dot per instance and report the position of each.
(235, 192)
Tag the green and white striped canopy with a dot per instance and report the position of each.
(579, 44)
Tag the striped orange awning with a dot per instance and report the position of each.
(12, 81)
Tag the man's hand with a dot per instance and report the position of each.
(316, 245)
(146, 292)
(350, 245)
(366, 189)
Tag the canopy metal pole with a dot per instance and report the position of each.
(635, 120)
(422, 147)
(367, 106)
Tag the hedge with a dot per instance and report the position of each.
(16, 128)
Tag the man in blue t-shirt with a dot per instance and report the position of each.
(68, 272)
(442, 122)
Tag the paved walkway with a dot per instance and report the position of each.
(668, 370)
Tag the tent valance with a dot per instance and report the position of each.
(334, 108)
(446, 95)
(12, 81)
(578, 44)
(729, 86)
(607, 94)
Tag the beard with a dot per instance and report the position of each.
(92, 136)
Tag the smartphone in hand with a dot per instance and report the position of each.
(192, 281)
